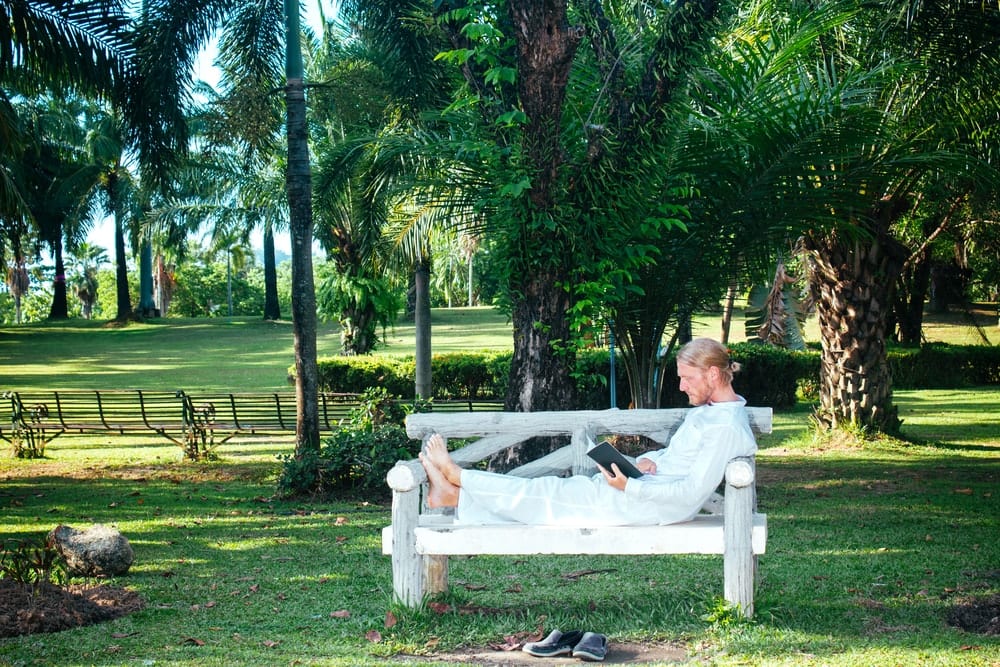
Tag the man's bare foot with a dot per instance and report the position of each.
(437, 453)
(440, 492)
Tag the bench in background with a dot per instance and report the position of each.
(197, 421)
(40, 416)
(420, 540)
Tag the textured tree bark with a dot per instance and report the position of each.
(59, 309)
(272, 307)
(546, 43)
(422, 331)
(303, 290)
(854, 278)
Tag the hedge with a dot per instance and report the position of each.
(769, 376)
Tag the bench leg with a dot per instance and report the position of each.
(739, 560)
(407, 565)
(436, 574)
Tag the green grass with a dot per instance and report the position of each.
(869, 547)
(223, 354)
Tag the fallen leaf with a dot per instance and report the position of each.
(194, 640)
(584, 573)
(970, 647)
(390, 620)
(270, 643)
(341, 520)
(122, 635)
(516, 588)
(340, 613)
(373, 636)
(964, 491)
(432, 642)
(439, 607)
(210, 604)
(475, 587)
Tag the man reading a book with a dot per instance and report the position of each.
(676, 480)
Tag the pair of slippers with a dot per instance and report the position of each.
(588, 646)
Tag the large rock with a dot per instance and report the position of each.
(92, 552)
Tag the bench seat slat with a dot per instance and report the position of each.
(701, 535)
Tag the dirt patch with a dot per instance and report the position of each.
(978, 615)
(27, 610)
(619, 653)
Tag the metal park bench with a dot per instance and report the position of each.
(40, 416)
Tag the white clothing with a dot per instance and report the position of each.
(688, 470)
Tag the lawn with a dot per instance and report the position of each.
(871, 549)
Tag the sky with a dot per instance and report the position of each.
(103, 231)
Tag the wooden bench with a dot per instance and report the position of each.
(40, 416)
(420, 540)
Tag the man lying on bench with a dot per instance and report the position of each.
(676, 480)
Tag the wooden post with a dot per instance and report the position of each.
(738, 534)
(407, 565)
(435, 574)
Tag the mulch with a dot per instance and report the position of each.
(27, 609)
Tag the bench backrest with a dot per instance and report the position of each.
(494, 432)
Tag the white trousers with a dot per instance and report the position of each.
(487, 497)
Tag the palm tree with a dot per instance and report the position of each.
(79, 46)
(949, 54)
(170, 36)
(87, 261)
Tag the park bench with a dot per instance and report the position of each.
(420, 539)
(39, 416)
(216, 417)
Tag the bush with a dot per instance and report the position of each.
(356, 457)
(356, 374)
(943, 366)
(770, 376)
(463, 375)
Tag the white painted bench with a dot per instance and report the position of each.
(421, 539)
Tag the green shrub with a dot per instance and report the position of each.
(356, 457)
(944, 366)
(355, 460)
(355, 374)
(462, 375)
(31, 563)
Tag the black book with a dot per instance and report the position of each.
(605, 454)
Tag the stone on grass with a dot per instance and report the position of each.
(98, 551)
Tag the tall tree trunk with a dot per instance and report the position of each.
(147, 307)
(60, 300)
(298, 182)
(540, 375)
(123, 298)
(422, 324)
(908, 312)
(727, 311)
(854, 277)
(272, 306)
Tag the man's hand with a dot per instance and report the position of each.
(616, 478)
(646, 466)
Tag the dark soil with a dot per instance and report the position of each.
(981, 616)
(27, 610)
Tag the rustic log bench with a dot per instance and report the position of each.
(40, 416)
(420, 540)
